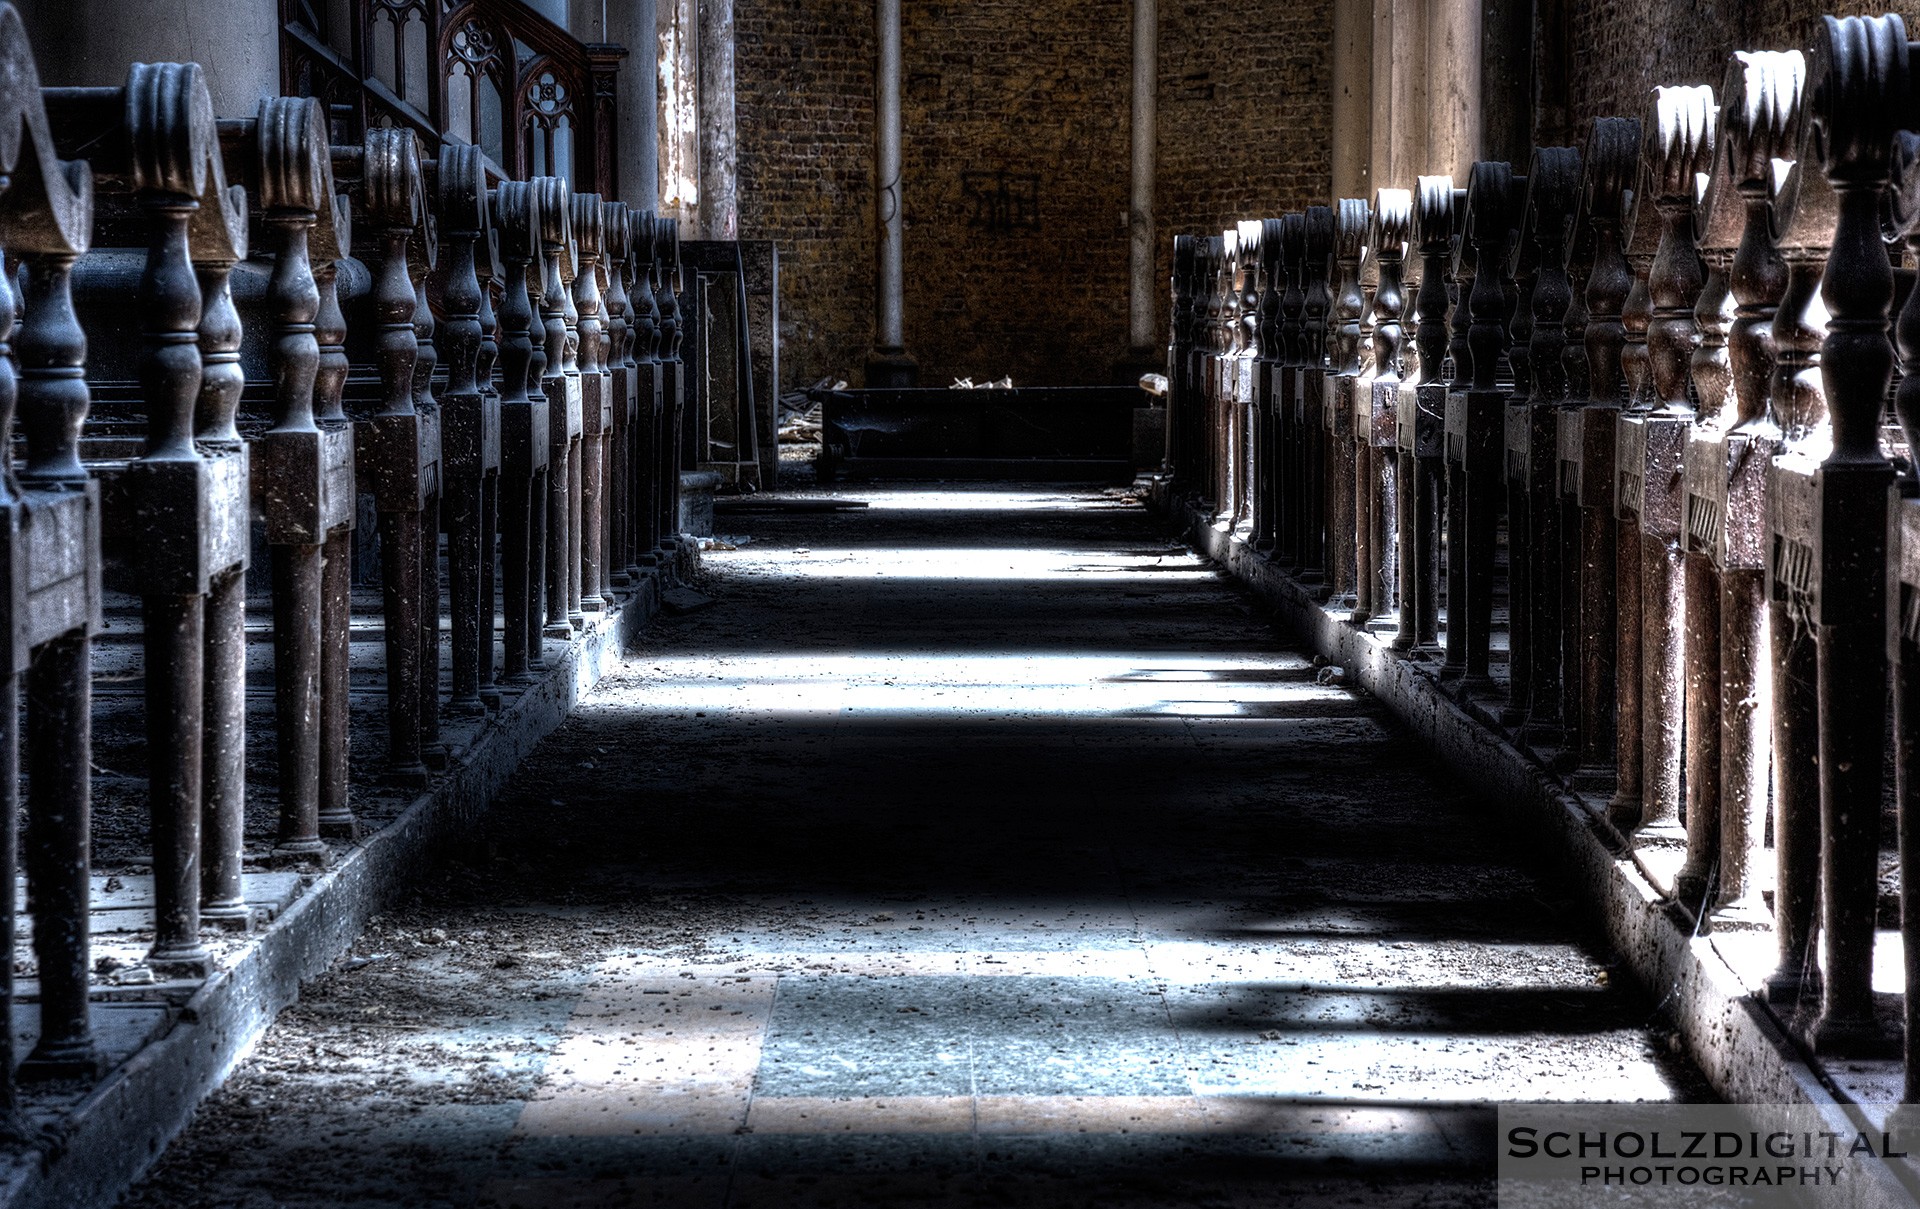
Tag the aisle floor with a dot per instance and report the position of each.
(974, 847)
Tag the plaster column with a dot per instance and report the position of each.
(889, 364)
(1381, 127)
(1453, 50)
(1409, 153)
(89, 43)
(1352, 98)
(1143, 330)
(719, 142)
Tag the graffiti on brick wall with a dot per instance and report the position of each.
(1002, 201)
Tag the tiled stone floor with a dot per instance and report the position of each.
(979, 847)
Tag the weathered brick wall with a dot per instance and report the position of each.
(1016, 166)
(805, 111)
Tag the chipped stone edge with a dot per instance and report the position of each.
(1736, 1041)
(120, 1129)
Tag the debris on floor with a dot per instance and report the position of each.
(681, 601)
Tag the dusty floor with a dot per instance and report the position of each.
(977, 848)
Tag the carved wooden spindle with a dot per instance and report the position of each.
(338, 454)
(469, 443)
(1378, 484)
(555, 236)
(397, 449)
(1317, 261)
(1476, 416)
(1346, 309)
(1292, 337)
(596, 394)
(646, 333)
(523, 431)
(621, 562)
(667, 290)
(569, 366)
(177, 505)
(1420, 420)
(1650, 437)
(1460, 354)
(491, 273)
(427, 405)
(1725, 473)
(1803, 230)
(1268, 452)
(52, 606)
(1858, 88)
(1590, 592)
(302, 471)
(1218, 342)
(1534, 526)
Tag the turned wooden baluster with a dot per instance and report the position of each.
(1590, 578)
(524, 441)
(1803, 231)
(491, 273)
(1641, 235)
(469, 433)
(52, 606)
(302, 471)
(1377, 483)
(1727, 748)
(396, 450)
(556, 244)
(1267, 448)
(1460, 353)
(1346, 309)
(1475, 423)
(224, 733)
(646, 332)
(1858, 89)
(1532, 448)
(1651, 435)
(188, 554)
(427, 406)
(1420, 419)
(667, 290)
(1213, 260)
(1293, 339)
(622, 561)
(1318, 235)
(596, 399)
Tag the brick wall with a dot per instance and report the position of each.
(1016, 166)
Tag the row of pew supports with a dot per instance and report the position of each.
(1660, 363)
(492, 360)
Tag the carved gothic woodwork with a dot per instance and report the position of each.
(459, 73)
